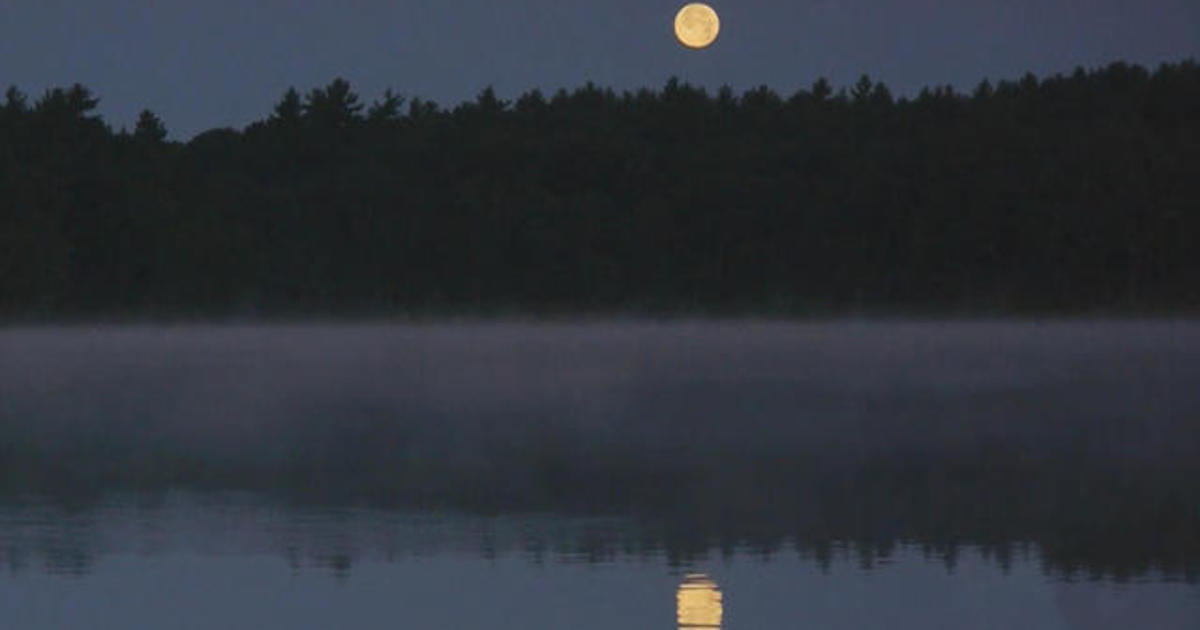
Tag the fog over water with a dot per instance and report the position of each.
(861, 386)
(1079, 438)
(847, 474)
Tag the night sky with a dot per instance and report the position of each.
(210, 63)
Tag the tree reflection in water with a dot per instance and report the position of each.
(1077, 441)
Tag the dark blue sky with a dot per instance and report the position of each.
(207, 63)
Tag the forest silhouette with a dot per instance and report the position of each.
(1070, 194)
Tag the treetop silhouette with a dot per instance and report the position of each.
(1070, 194)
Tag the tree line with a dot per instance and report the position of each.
(1075, 193)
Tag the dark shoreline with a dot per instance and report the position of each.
(535, 317)
(1069, 194)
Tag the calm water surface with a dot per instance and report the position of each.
(833, 475)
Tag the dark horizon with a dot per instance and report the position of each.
(128, 125)
(220, 63)
(1071, 195)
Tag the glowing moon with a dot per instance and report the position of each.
(697, 25)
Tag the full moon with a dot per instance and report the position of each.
(697, 25)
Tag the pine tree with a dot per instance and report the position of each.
(289, 109)
(334, 106)
(149, 128)
(385, 109)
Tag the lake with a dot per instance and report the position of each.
(634, 474)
